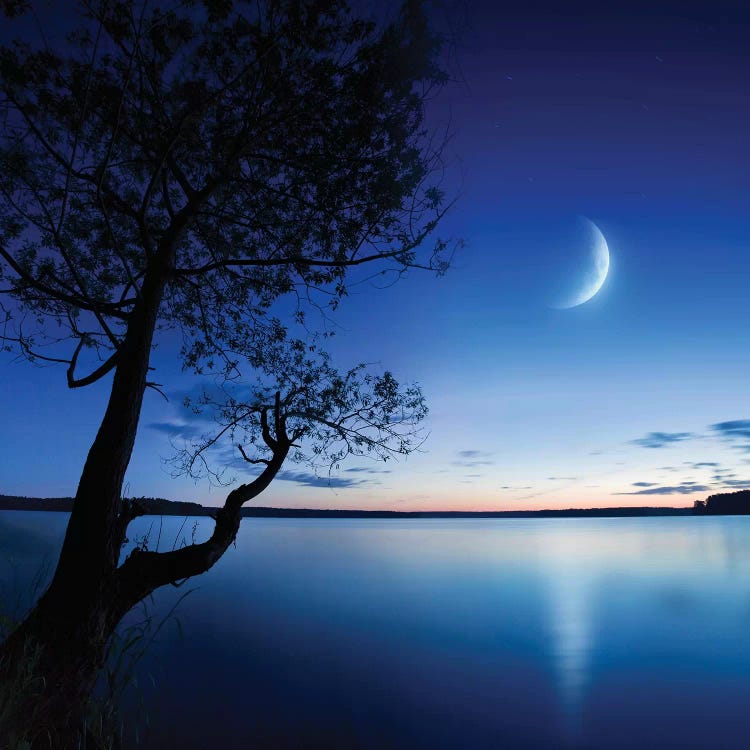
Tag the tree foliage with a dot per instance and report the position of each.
(242, 151)
(186, 168)
(327, 414)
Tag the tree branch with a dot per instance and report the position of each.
(107, 366)
(144, 571)
(252, 460)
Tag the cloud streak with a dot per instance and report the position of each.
(308, 479)
(686, 488)
(735, 431)
(737, 484)
(471, 459)
(661, 439)
(175, 429)
(366, 470)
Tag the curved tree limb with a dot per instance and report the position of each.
(144, 571)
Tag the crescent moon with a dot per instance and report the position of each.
(597, 270)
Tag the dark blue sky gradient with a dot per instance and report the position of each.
(635, 115)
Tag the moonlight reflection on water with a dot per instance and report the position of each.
(539, 633)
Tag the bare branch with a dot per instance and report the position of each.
(144, 571)
(106, 367)
(265, 431)
(251, 460)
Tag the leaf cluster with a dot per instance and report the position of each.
(300, 397)
(234, 152)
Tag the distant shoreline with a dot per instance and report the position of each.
(161, 507)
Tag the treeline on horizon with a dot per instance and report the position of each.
(724, 504)
(727, 503)
(714, 505)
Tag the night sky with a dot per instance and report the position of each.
(634, 115)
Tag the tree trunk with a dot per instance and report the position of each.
(67, 631)
(49, 664)
(49, 668)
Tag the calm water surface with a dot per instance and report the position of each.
(542, 633)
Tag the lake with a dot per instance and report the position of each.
(373, 634)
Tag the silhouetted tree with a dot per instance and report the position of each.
(727, 503)
(182, 169)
